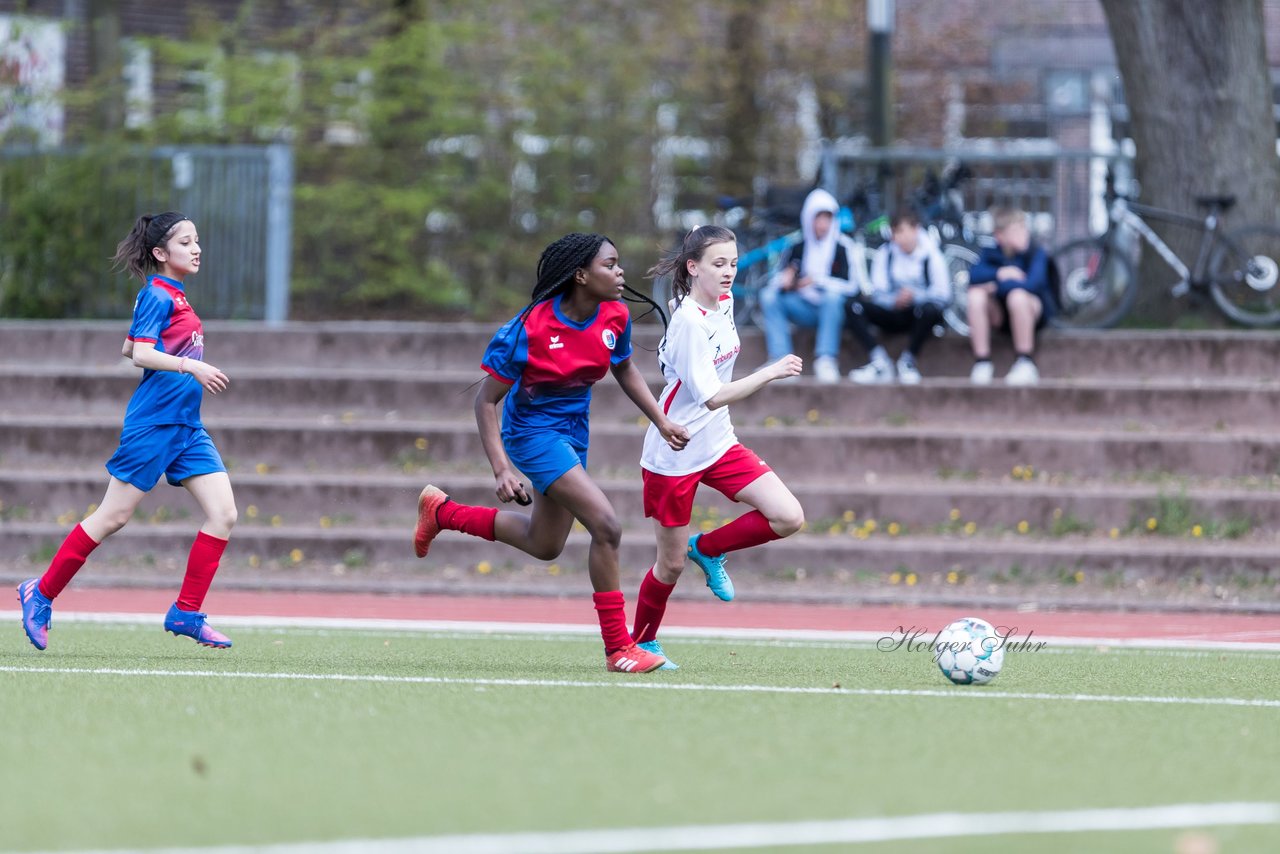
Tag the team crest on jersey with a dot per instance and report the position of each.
(610, 340)
(556, 343)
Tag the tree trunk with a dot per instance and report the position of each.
(743, 118)
(105, 63)
(1199, 94)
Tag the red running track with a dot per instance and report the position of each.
(1197, 626)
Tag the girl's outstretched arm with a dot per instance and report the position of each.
(788, 366)
(632, 382)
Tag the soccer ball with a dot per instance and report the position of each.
(969, 652)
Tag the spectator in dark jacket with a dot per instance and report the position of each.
(1009, 289)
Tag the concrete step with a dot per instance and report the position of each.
(918, 506)
(837, 556)
(805, 452)
(365, 393)
(435, 346)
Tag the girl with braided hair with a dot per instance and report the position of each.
(541, 366)
(697, 356)
(162, 434)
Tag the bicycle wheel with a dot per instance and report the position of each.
(1244, 275)
(959, 257)
(1098, 284)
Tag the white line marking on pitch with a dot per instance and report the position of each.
(483, 628)
(787, 834)
(647, 685)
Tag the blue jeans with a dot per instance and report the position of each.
(783, 308)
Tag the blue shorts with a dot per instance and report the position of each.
(545, 456)
(173, 450)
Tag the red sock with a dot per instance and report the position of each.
(611, 609)
(751, 529)
(651, 604)
(71, 555)
(476, 521)
(202, 563)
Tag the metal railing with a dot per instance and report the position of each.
(240, 198)
(1060, 189)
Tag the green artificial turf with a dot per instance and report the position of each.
(96, 760)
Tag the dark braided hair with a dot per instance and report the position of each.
(692, 248)
(134, 252)
(557, 265)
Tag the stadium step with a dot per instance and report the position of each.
(995, 558)
(435, 346)
(806, 452)
(915, 504)
(365, 393)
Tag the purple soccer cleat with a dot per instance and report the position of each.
(37, 611)
(191, 624)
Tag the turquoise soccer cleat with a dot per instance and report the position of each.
(656, 648)
(717, 578)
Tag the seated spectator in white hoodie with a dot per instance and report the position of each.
(910, 286)
(816, 279)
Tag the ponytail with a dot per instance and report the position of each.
(134, 252)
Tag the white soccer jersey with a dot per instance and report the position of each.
(697, 356)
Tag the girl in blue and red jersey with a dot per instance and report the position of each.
(541, 367)
(162, 432)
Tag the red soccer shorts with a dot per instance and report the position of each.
(669, 498)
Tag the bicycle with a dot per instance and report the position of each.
(1239, 270)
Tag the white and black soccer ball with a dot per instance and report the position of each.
(969, 652)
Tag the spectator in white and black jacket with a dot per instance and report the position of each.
(910, 286)
(817, 277)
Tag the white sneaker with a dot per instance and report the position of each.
(873, 373)
(1023, 372)
(908, 373)
(982, 373)
(827, 370)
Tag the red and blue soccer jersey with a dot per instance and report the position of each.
(551, 363)
(162, 316)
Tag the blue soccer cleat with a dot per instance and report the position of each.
(37, 612)
(191, 624)
(656, 648)
(717, 578)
